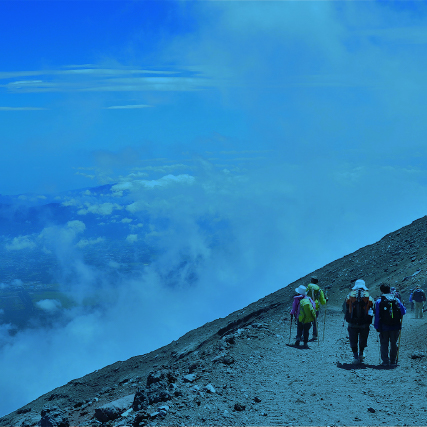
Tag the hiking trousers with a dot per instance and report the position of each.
(387, 337)
(419, 309)
(358, 334)
(303, 330)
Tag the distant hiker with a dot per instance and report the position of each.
(317, 295)
(411, 301)
(396, 293)
(389, 312)
(358, 309)
(418, 297)
(304, 311)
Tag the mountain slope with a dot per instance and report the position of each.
(239, 370)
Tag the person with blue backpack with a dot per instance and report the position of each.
(389, 312)
(304, 311)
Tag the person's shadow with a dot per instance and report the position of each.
(351, 366)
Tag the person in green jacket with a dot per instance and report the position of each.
(317, 295)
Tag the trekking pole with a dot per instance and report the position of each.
(400, 336)
(318, 340)
(290, 330)
(324, 320)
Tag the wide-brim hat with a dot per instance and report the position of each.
(302, 290)
(360, 284)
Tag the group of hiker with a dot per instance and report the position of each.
(360, 309)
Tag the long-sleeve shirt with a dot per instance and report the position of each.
(295, 305)
(378, 325)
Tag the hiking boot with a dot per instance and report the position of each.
(361, 357)
(356, 361)
(305, 345)
(297, 343)
(385, 364)
(393, 363)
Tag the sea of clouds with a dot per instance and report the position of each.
(222, 239)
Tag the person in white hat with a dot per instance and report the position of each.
(304, 311)
(358, 309)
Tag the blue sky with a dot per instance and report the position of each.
(312, 81)
(300, 125)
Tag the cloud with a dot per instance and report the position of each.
(89, 242)
(120, 79)
(100, 209)
(17, 282)
(49, 305)
(77, 226)
(20, 243)
(22, 108)
(128, 107)
(167, 180)
(132, 238)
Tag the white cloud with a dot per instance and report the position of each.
(17, 282)
(77, 226)
(50, 305)
(128, 107)
(100, 209)
(88, 242)
(126, 220)
(132, 238)
(22, 109)
(135, 184)
(118, 79)
(20, 243)
(71, 202)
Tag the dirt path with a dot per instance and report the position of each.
(320, 385)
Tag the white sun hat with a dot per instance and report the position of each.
(302, 290)
(360, 284)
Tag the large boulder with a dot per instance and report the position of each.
(140, 401)
(112, 410)
(52, 416)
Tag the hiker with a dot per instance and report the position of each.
(411, 301)
(317, 295)
(358, 309)
(396, 293)
(418, 297)
(304, 311)
(389, 312)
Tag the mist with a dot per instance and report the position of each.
(222, 239)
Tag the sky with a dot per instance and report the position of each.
(295, 130)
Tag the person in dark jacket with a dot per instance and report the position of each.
(388, 322)
(419, 298)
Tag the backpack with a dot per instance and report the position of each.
(357, 309)
(306, 311)
(390, 313)
(417, 296)
(316, 294)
